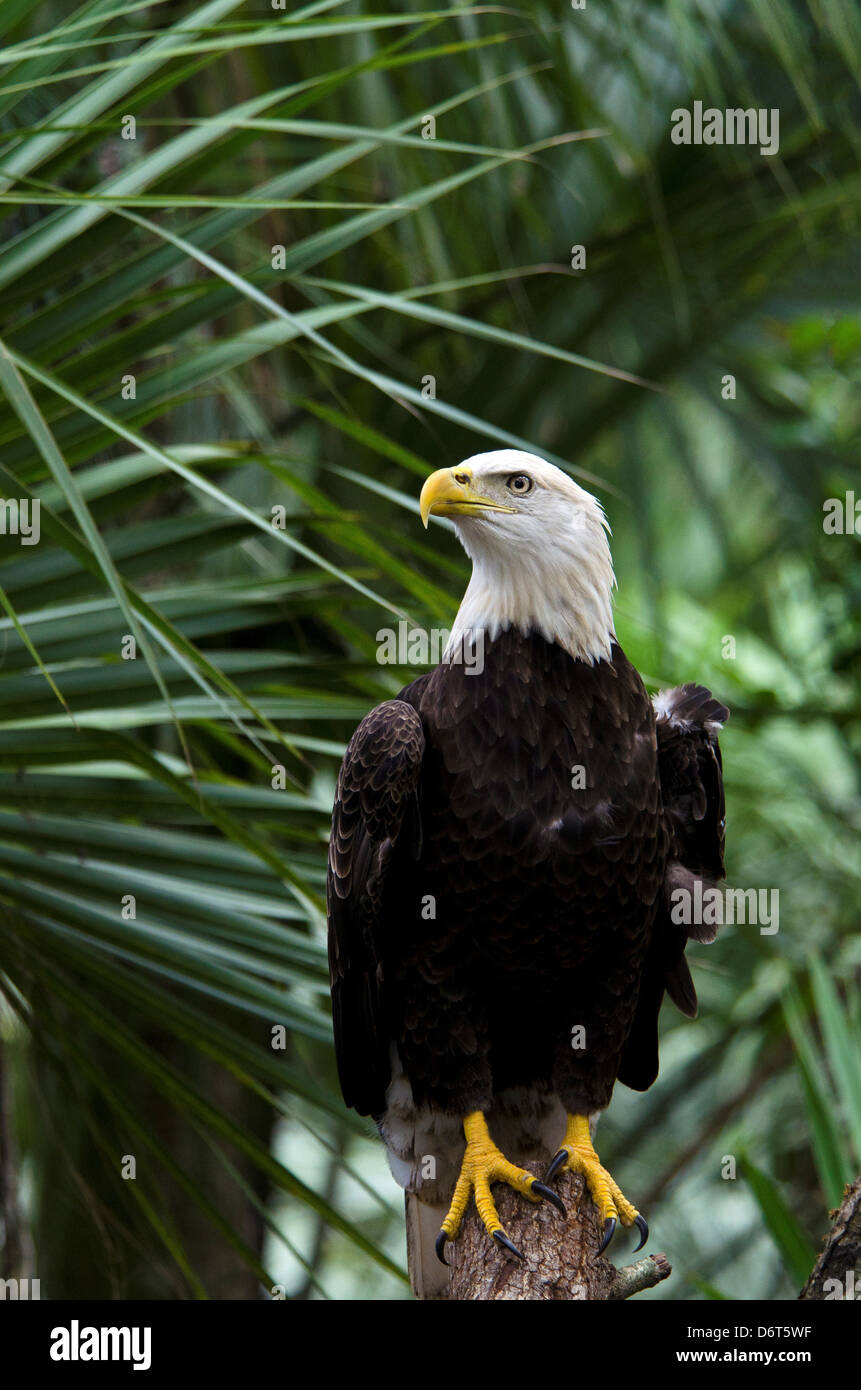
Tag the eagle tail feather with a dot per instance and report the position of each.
(680, 987)
(428, 1276)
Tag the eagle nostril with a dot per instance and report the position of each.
(462, 478)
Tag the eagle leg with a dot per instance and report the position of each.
(483, 1164)
(578, 1156)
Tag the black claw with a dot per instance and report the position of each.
(502, 1239)
(439, 1247)
(550, 1196)
(643, 1227)
(555, 1164)
(609, 1232)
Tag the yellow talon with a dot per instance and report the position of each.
(577, 1155)
(483, 1164)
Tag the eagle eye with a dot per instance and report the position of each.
(520, 483)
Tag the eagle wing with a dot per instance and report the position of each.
(689, 763)
(687, 723)
(375, 818)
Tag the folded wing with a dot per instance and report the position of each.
(375, 817)
(688, 720)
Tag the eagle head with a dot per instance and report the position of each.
(539, 549)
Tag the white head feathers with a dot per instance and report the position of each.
(541, 559)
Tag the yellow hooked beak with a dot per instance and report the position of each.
(449, 492)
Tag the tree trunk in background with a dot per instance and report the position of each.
(840, 1260)
(90, 1239)
(16, 1254)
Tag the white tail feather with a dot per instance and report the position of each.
(429, 1278)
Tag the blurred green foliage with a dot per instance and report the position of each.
(408, 265)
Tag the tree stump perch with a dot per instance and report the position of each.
(560, 1255)
(840, 1260)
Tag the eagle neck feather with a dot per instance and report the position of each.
(563, 592)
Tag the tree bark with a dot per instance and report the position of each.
(560, 1256)
(839, 1265)
(16, 1253)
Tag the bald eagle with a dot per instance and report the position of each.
(506, 837)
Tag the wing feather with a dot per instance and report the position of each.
(376, 817)
(689, 761)
(687, 722)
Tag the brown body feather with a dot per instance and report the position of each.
(486, 897)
